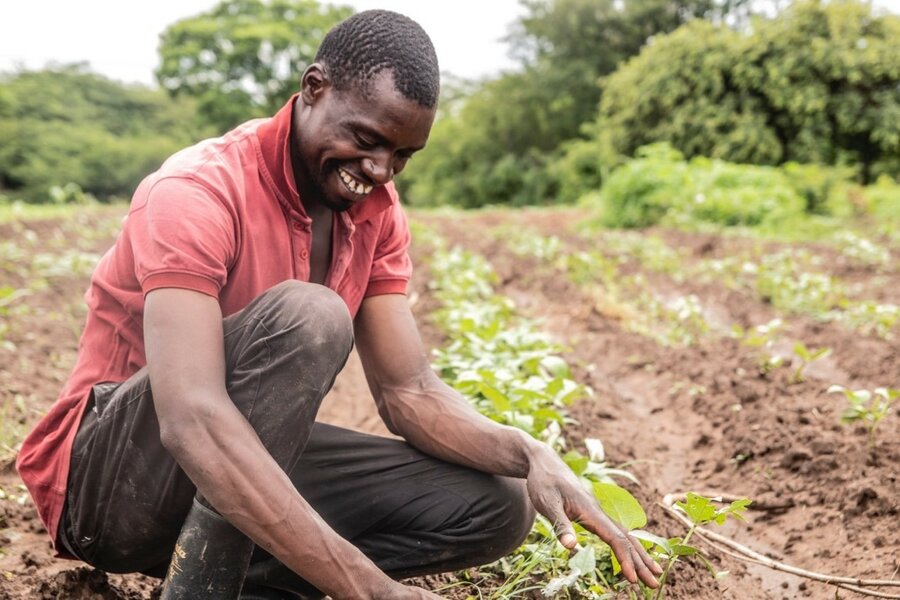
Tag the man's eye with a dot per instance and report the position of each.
(364, 142)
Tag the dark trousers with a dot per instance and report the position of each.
(410, 513)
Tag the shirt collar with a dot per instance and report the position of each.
(275, 139)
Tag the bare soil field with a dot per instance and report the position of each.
(700, 417)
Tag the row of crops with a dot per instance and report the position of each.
(514, 374)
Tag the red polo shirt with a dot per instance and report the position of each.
(223, 218)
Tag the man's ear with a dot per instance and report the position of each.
(314, 83)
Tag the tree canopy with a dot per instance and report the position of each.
(65, 124)
(496, 145)
(243, 58)
(819, 83)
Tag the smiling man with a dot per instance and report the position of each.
(185, 442)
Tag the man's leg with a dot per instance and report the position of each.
(410, 513)
(128, 498)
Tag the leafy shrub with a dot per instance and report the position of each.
(826, 190)
(883, 199)
(731, 194)
(641, 192)
(660, 186)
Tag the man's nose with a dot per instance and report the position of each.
(379, 169)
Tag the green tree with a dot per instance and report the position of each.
(243, 58)
(65, 124)
(818, 83)
(504, 139)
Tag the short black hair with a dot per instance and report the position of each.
(356, 50)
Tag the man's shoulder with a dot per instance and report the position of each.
(233, 149)
(218, 164)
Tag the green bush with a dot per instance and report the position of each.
(816, 83)
(883, 199)
(660, 186)
(642, 191)
(824, 188)
(730, 194)
(580, 168)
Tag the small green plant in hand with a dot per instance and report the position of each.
(701, 511)
(807, 357)
(869, 408)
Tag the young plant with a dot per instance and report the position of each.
(700, 510)
(764, 338)
(868, 408)
(807, 357)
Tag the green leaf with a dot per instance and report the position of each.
(683, 550)
(584, 560)
(648, 540)
(699, 509)
(576, 461)
(620, 505)
(556, 366)
(498, 399)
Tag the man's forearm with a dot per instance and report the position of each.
(232, 469)
(436, 419)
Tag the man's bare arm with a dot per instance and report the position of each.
(415, 404)
(221, 453)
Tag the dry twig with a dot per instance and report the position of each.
(739, 551)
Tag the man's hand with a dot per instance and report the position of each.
(557, 494)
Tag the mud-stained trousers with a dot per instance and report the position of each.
(410, 513)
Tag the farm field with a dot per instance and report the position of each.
(705, 353)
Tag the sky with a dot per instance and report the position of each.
(119, 37)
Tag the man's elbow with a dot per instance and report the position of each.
(183, 429)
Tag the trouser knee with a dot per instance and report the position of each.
(510, 517)
(283, 352)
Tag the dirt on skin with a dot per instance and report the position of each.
(698, 418)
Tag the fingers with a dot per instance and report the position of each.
(634, 560)
(565, 533)
(646, 567)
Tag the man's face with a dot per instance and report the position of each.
(346, 142)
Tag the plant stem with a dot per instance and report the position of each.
(662, 580)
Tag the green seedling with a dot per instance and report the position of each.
(762, 337)
(871, 317)
(700, 510)
(868, 408)
(807, 357)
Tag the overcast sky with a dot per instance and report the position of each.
(119, 37)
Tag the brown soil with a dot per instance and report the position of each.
(697, 418)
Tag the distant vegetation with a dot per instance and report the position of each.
(810, 96)
(66, 125)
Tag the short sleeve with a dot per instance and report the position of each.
(391, 265)
(182, 236)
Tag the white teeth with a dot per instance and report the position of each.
(353, 185)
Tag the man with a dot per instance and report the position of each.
(246, 267)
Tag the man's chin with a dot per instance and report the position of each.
(337, 204)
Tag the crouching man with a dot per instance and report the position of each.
(185, 443)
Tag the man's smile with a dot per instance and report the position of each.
(355, 186)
